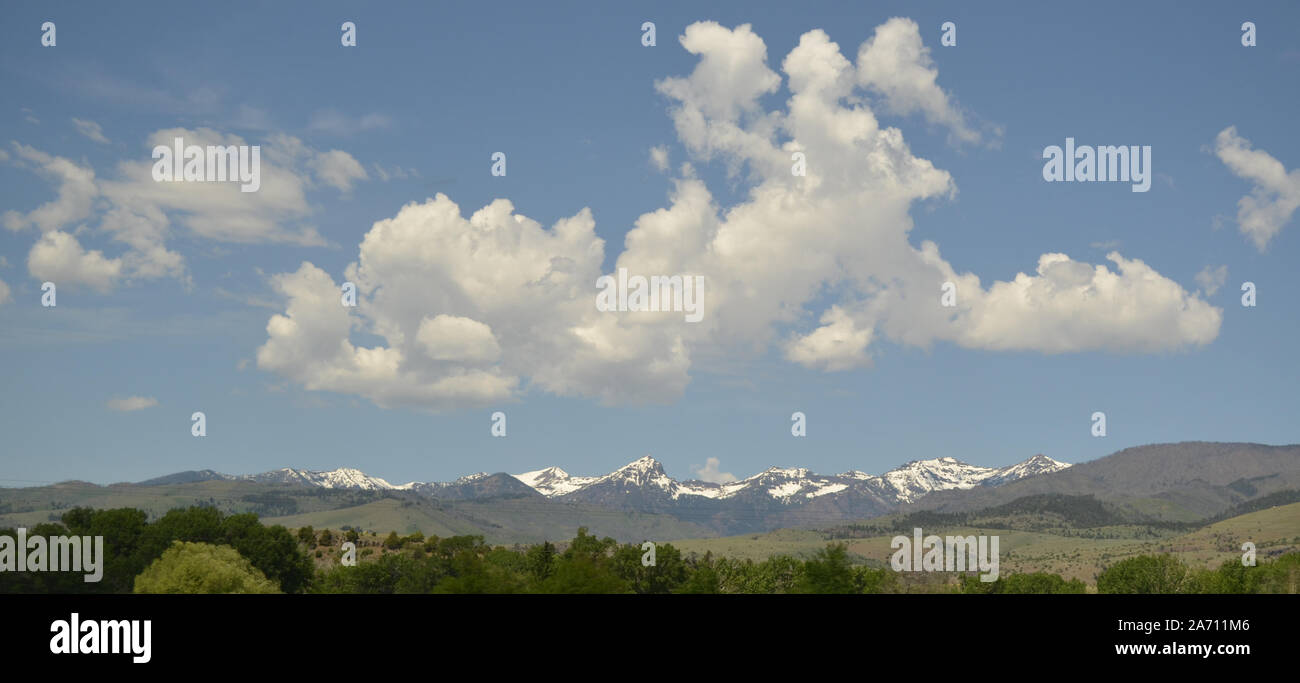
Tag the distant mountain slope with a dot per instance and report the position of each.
(187, 477)
(479, 486)
(1180, 481)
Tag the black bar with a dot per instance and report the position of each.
(303, 631)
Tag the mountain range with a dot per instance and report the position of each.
(1175, 483)
(775, 496)
(646, 478)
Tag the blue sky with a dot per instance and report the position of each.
(569, 93)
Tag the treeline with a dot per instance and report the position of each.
(1167, 574)
(201, 550)
(132, 544)
(465, 564)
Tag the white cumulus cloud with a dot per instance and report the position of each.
(896, 64)
(59, 258)
(338, 169)
(710, 472)
(837, 345)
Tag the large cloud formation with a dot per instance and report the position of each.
(480, 309)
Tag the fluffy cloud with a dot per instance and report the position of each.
(896, 64)
(1074, 306)
(467, 308)
(709, 472)
(1275, 195)
(337, 169)
(821, 266)
(4, 292)
(131, 403)
(837, 345)
(59, 258)
(141, 213)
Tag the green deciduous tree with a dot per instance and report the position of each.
(202, 568)
(667, 573)
(1031, 582)
(540, 561)
(829, 571)
(1144, 574)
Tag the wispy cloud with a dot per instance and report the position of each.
(659, 157)
(131, 404)
(90, 129)
(1211, 278)
(394, 173)
(335, 122)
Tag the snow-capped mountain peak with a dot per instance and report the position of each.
(643, 473)
(644, 464)
(341, 478)
(552, 481)
(919, 477)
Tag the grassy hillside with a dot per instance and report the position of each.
(386, 515)
(499, 521)
(1074, 553)
(1175, 482)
